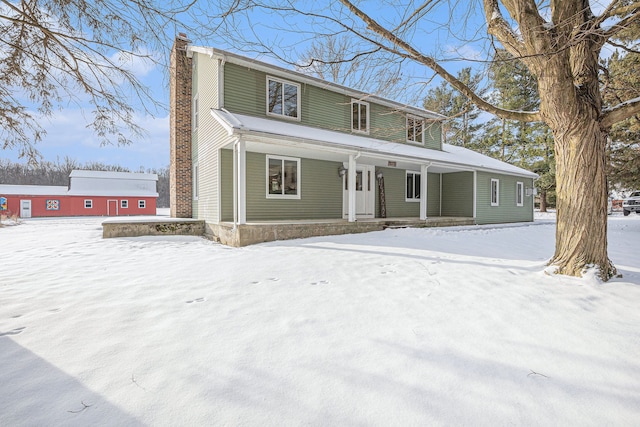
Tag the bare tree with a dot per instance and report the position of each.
(54, 53)
(559, 41)
(339, 59)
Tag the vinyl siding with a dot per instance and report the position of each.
(457, 194)
(205, 85)
(507, 211)
(433, 194)
(226, 185)
(395, 195)
(245, 93)
(320, 190)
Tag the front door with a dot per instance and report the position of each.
(25, 208)
(365, 192)
(112, 207)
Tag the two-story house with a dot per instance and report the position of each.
(264, 153)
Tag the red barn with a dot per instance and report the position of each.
(95, 193)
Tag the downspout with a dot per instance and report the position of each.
(221, 62)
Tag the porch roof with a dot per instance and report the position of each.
(451, 155)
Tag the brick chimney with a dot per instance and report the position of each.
(180, 129)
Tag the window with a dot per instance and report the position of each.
(195, 112)
(88, 204)
(195, 181)
(283, 177)
(283, 98)
(413, 186)
(519, 194)
(124, 204)
(359, 116)
(415, 129)
(142, 204)
(495, 192)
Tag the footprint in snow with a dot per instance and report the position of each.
(321, 282)
(195, 300)
(15, 331)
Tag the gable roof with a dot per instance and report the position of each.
(81, 173)
(454, 156)
(305, 78)
(33, 190)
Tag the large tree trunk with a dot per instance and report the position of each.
(581, 206)
(543, 201)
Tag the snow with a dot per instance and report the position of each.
(82, 173)
(33, 190)
(444, 326)
(450, 155)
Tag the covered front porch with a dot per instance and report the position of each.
(251, 233)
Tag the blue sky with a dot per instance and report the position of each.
(440, 33)
(68, 136)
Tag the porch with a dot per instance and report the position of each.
(258, 232)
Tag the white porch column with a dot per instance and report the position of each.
(351, 177)
(423, 191)
(242, 181)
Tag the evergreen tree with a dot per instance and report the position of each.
(528, 145)
(623, 82)
(462, 126)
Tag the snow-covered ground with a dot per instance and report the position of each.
(400, 327)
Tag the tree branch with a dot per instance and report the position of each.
(430, 62)
(620, 112)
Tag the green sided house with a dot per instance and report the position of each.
(262, 153)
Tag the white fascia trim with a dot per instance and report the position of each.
(230, 126)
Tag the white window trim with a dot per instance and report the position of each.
(356, 101)
(142, 204)
(88, 203)
(414, 173)
(519, 194)
(406, 132)
(298, 99)
(196, 111)
(124, 204)
(195, 178)
(497, 201)
(283, 196)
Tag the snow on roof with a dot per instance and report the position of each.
(449, 156)
(112, 175)
(33, 190)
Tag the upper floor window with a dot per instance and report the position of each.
(283, 98)
(415, 129)
(519, 194)
(413, 186)
(283, 177)
(495, 192)
(360, 116)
